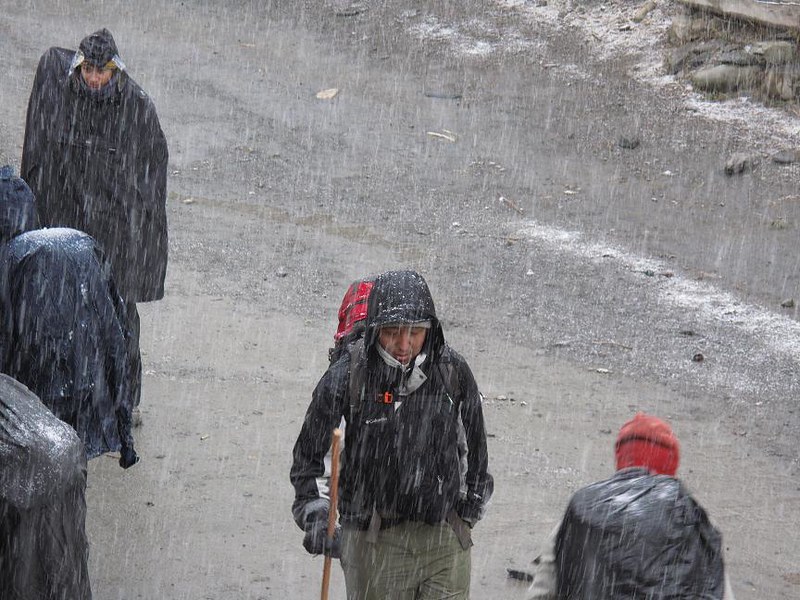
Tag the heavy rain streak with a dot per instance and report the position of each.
(489, 299)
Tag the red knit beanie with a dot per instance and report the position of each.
(648, 442)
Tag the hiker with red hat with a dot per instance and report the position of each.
(639, 534)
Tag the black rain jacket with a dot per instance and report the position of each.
(638, 536)
(43, 545)
(97, 162)
(405, 464)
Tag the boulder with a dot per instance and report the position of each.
(782, 82)
(727, 78)
(778, 52)
(740, 163)
(680, 30)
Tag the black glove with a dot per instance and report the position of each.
(128, 457)
(316, 539)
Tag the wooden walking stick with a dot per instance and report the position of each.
(326, 569)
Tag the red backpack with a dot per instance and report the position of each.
(352, 316)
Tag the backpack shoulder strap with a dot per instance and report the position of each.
(357, 377)
(449, 376)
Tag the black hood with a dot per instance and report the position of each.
(41, 455)
(17, 206)
(402, 297)
(98, 48)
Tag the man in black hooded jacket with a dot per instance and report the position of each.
(61, 324)
(414, 477)
(96, 159)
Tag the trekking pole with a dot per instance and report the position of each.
(326, 569)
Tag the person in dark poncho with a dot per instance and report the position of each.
(43, 545)
(96, 158)
(61, 331)
(638, 535)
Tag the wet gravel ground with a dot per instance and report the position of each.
(579, 277)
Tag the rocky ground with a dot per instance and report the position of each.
(665, 43)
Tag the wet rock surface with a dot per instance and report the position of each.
(720, 54)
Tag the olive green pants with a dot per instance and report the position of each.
(410, 561)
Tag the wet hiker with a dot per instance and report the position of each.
(61, 324)
(639, 534)
(96, 159)
(414, 477)
(43, 545)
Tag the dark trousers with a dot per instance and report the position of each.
(134, 366)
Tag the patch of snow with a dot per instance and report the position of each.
(612, 33)
(474, 38)
(773, 123)
(706, 301)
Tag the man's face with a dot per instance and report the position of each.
(403, 342)
(94, 76)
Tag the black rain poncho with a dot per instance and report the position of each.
(638, 536)
(66, 337)
(43, 545)
(96, 161)
(61, 331)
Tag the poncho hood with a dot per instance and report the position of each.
(41, 455)
(17, 206)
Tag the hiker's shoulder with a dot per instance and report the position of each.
(452, 359)
(338, 373)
